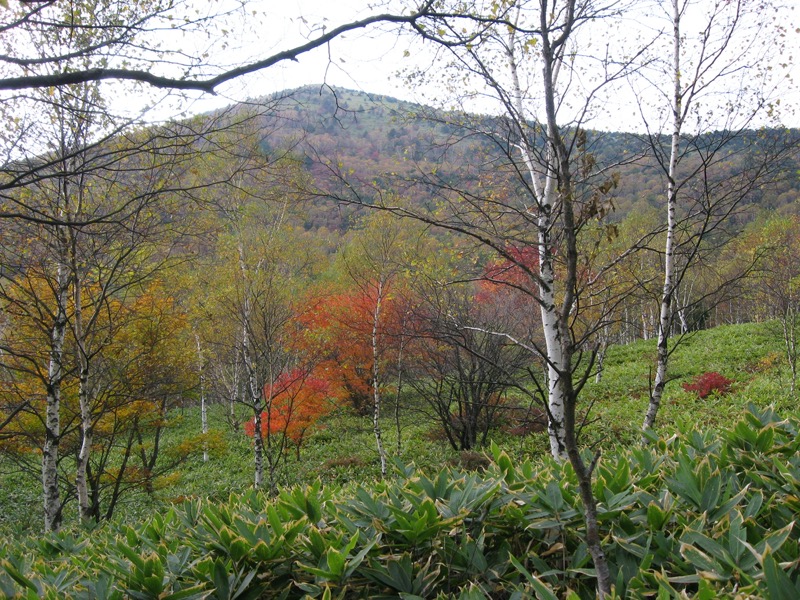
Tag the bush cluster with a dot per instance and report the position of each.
(709, 383)
(700, 515)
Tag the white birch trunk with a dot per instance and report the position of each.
(84, 400)
(546, 195)
(376, 396)
(601, 353)
(253, 388)
(665, 315)
(555, 359)
(203, 407)
(55, 376)
(399, 389)
(81, 481)
(789, 321)
(254, 392)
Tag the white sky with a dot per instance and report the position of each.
(366, 60)
(370, 60)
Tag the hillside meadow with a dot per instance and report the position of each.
(705, 510)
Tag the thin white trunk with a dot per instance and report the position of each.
(84, 401)
(55, 376)
(789, 319)
(399, 389)
(376, 395)
(665, 315)
(235, 395)
(203, 408)
(272, 460)
(601, 353)
(546, 195)
(253, 388)
(81, 479)
(254, 393)
(555, 359)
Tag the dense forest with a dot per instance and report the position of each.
(211, 303)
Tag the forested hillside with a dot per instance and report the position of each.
(323, 344)
(322, 250)
(380, 138)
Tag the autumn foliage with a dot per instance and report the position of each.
(295, 401)
(709, 383)
(510, 275)
(338, 331)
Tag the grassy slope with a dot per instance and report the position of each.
(344, 451)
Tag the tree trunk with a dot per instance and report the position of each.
(258, 449)
(81, 480)
(376, 395)
(789, 322)
(84, 395)
(601, 353)
(399, 390)
(547, 304)
(560, 169)
(665, 315)
(203, 407)
(55, 376)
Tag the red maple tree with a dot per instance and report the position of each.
(295, 402)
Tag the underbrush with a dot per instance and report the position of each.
(342, 450)
(699, 514)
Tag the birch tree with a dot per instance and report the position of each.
(716, 50)
(250, 293)
(375, 261)
(60, 196)
(86, 201)
(530, 188)
(261, 313)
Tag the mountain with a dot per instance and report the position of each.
(394, 144)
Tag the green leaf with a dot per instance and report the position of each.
(779, 585)
(196, 592)
(542, 590)
(656, 517)
(221, 583)
(506, 466)
(17, 576)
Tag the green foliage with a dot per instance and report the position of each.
(699, 514)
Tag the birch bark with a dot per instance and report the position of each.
(545, 187)
(254, 391)
(201, 366)
(376, 378)
(55, 376)
(668, 290)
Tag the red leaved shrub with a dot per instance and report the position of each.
(709, 383)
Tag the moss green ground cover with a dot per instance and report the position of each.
(708, 510)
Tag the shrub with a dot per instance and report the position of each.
(521, 421)
(344, 462)
(701, 515)
(709, 383)
(470, 460)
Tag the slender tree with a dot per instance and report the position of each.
(702, 158)
(375, 261)
(251, 290)
(89, 197)
(535, 187)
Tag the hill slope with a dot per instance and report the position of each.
(383, 140)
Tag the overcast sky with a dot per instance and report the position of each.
(371, 60)
(367, 60)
